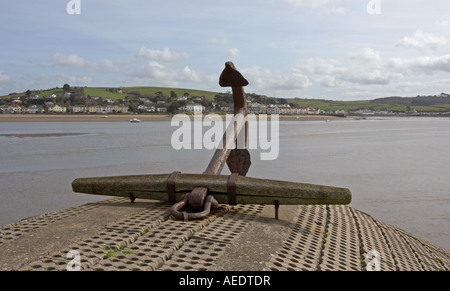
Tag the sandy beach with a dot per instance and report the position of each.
(79, 118)
(125, 117)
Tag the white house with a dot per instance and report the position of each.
(33, 109)
(79, 109)
(193, 108)
(161, 109)
(147, 108)
(107, 109)
(57, 109)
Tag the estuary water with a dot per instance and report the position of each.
(398, 169)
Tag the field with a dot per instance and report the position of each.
(105, 92)
(146, 91)
(365, 105)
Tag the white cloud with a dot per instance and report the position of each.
(423, 64)
(370, 77)
(354, 74)
(362, 67)
(421, 40)
(4, 78)
(218, 41)
(155, 70)
(111, 66)
(264, 80)
(233, 53)
(320, 66)
(191, 75)
(162, 75)
(73, 60)
(443, 23)
(45, 80)
(365, 54)
(77, 62)
(165, 55)
(337, 10)
(81, 80)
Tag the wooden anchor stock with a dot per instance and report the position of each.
(211, 188)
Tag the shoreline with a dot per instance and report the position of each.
(128, 117)
(79, 118)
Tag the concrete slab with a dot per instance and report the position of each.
(118, 235)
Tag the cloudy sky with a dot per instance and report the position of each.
(328, 49)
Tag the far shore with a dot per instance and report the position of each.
(127, 117)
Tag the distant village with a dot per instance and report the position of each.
(143, 105)
(73, 100)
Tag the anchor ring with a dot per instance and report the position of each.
(177, 209)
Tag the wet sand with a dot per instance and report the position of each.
(40, 135)
(79, 118)
(127, 118)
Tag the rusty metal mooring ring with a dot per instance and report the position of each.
(176, 209)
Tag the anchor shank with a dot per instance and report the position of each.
(228, 140)
(240, 104)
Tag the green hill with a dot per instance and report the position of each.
(439, 103)
(122, 92)
(404, 104)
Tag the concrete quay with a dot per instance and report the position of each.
(115, 235)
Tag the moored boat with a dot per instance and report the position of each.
(135, 120)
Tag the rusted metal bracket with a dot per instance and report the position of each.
(277, 207)
(171, 187)
(238, 162)
(231, 188)
(132, 198)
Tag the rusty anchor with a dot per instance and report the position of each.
(199, 193)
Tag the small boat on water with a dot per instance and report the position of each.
(135, 120)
